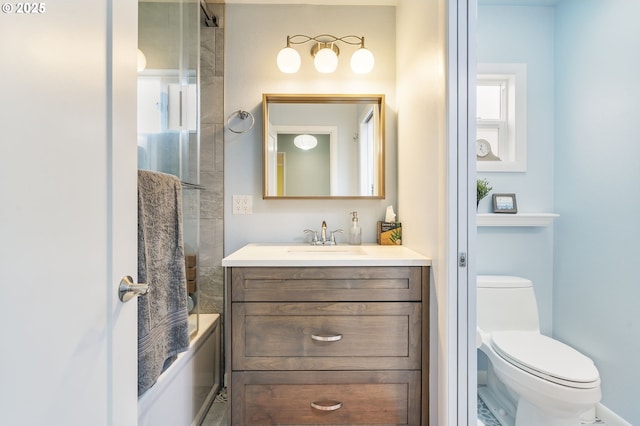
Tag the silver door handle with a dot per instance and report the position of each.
(128, 289)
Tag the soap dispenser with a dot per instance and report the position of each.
(355, 232)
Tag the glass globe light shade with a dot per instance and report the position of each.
(142, 61)
(289, 60)
(362, 61)
(305, 141)
(326, 60)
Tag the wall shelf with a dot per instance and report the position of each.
(518, 219)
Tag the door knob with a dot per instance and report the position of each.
(128, 289)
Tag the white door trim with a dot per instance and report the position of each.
(461, 240)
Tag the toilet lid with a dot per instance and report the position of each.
(546, 358)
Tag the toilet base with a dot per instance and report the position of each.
(530, 415)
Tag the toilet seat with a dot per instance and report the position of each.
(546, 358)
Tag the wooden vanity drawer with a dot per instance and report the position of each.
(327, 283)
(329, 336)
(350, 398)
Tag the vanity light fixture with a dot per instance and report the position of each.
(325, 53)
(305, 142)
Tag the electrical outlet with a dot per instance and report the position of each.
(242, 204)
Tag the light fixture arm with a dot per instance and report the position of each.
(325, 38)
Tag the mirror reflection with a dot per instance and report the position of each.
(168, 54)
(323, 146)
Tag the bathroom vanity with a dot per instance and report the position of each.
(331, 335)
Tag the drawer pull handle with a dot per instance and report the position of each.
(327, 405)
(326, 337)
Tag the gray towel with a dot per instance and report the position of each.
(163, 324)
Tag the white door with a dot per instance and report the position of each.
(67, 212)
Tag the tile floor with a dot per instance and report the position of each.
(484, 414)
(217, 414)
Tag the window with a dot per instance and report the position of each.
(501, 117)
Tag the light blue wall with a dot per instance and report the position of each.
(597, 250)
(523, 34)
(586, 51)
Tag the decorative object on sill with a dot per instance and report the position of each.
(241, 115)
(504, 203)
(484, 152)
(483, 189)
(305, 142)
(325, 53)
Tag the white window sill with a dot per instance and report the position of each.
(518, 219)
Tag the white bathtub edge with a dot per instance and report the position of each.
(208, 325)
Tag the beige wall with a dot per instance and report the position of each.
(422, 160)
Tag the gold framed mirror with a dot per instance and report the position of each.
(323, 146)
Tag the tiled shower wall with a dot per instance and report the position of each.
(210, 271)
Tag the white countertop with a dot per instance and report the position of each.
(263, 254)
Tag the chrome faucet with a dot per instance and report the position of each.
(314, 236)
(323, 240)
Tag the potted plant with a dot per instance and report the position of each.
(483, 190)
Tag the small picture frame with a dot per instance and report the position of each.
(504, 203)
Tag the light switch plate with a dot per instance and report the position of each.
(242, 204)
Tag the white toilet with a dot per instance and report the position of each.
(534, 379)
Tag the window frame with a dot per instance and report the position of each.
(512, 128)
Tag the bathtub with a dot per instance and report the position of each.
(183, 393)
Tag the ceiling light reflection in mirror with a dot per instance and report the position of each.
(305, 142)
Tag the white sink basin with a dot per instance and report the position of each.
(346, 250)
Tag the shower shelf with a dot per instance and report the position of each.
(518, 219)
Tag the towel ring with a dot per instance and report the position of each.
(243, 116)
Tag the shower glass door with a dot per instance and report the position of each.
(168, 111)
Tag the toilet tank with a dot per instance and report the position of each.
(506, 303)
